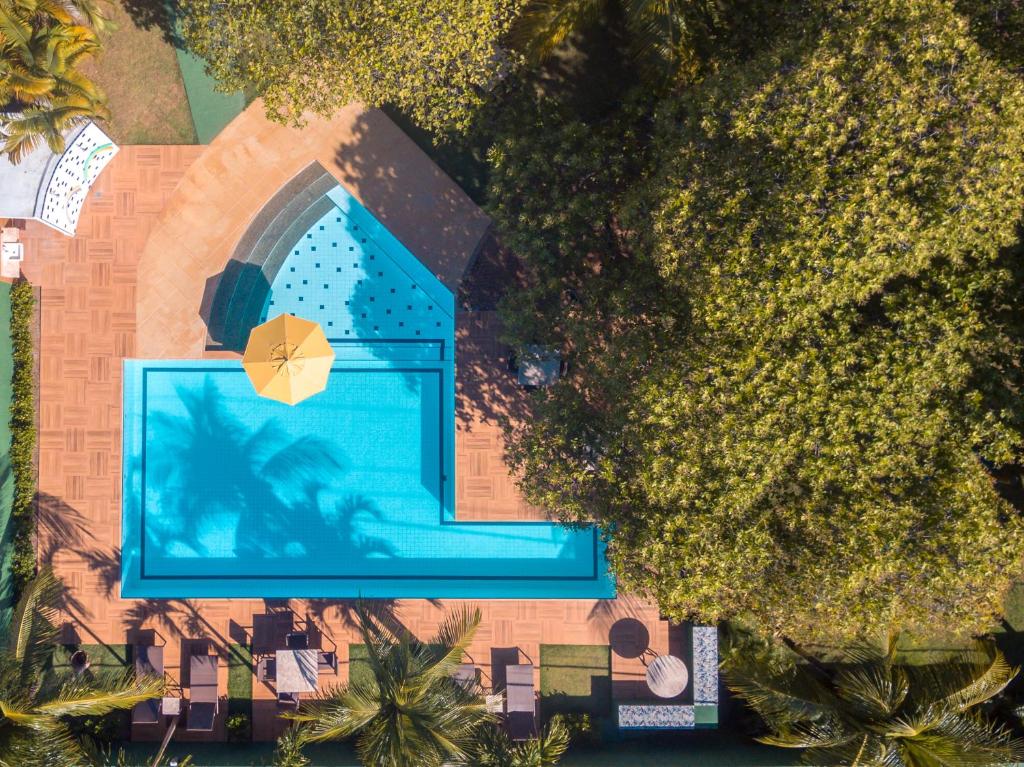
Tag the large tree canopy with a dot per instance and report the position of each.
(831, 356)
(434, 58)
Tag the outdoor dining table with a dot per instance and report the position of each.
(296, 670)
(667, 676)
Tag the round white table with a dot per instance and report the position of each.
(667, 676)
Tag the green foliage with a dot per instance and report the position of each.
(42, 88)
(796, 341)
(289, 748)
(409, 711)
(42, 705)
(122, 760)
(580, 729)
(434, 59)
(494, 748)
(872, 710)
(239, 728)
(240, 675)
(23, 434)
(669, 41)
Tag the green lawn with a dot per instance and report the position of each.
(358, 667)
(575, 678)
(102, 657)
(240, 672)
(138, 71)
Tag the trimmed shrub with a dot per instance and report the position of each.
(239, 728)
(23, 435)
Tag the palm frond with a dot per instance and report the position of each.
(962, 740)
(452, 640)
(825, 734)
(988, 682)
(546, 24)
(58, 10)
(52, 746)
(18, 715)
(27, 85)
(875, 691)
(91, 13)
(32, 630)
(553, 742)
(17, 33)
(98, 695)
(338, 713)
(780, 696)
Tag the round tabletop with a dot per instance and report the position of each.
(667, 676)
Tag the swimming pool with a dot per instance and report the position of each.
(350, 493)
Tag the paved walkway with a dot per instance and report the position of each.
(91, 287)
(241, 170)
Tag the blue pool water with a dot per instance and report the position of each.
(351, 492)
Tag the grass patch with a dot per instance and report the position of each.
(102, 657)
(138, 71)
(240, 671)
(358, 664)
(575, 678)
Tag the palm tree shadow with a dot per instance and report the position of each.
(210, 466)
(274, 491)
(348, 511)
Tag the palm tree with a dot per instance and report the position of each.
(42, 91)
(494, 748)
(871, 711)
(408, 712)
(37, 701)
(663, 36)
(289, 748)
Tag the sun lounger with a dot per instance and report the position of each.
(203, 693)
(520, 702)
(467, 675)
(149, 661)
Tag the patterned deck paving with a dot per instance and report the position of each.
(250, 161)
(90, 292)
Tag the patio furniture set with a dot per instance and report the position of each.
(519, 703)
(287, 659)
(203, 691)
(667, 677)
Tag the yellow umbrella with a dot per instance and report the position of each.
(288, 359)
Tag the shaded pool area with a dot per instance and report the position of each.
(350, 493)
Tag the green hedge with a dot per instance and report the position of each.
(23, 435)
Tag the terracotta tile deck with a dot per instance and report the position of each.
(95, 289)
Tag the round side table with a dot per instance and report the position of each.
(667, 676)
